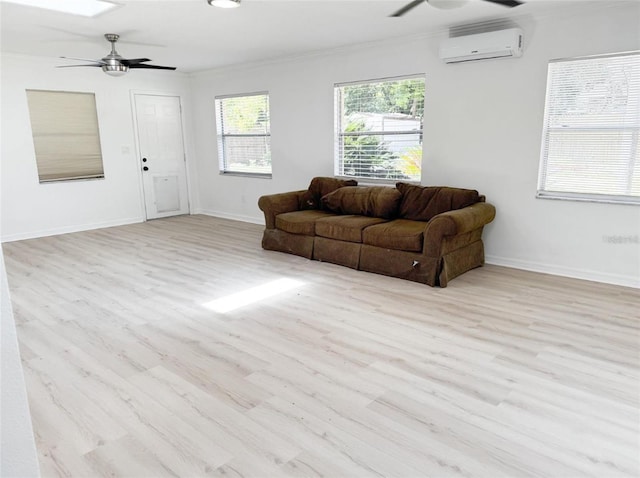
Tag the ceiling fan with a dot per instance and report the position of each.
(113, 64)
(415, 3)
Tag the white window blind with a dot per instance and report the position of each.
(65, 135)
(378, 128)
(244, 134)
(590, 135)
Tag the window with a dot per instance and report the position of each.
(244, 134)
(65, 135)
(590, 135)
(378, 128)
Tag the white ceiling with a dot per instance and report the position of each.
(193, 36)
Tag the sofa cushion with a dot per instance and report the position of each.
(420, 203)
(321, 186)
(400, 235)
(374, 201)
(300, 222)
(345, 228)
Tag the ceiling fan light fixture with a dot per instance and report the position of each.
(224, 3)
(115, 70)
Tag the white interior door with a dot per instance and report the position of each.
(162, 156)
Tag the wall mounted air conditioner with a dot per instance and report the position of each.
(482, 46)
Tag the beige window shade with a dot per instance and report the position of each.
(65, 135)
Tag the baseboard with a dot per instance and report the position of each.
(584, 274)
(235, 217)
(67, 229)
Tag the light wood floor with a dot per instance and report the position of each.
(504, 373)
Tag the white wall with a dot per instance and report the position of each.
(482, 131)
(31, 209)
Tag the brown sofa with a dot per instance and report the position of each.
(423, 234)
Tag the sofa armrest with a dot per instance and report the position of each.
(275, 204)
(458, 222)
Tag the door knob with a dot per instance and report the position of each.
(145, 168)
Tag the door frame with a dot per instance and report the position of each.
(185, 145)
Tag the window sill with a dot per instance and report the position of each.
(246, 174)
(69, 180)
(601, 198)
(374, 181)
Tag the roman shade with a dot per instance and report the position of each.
(65, 133)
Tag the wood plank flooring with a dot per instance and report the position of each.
(505, 373)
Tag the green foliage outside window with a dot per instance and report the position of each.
(244, 137)
(403, 96)
(370, 147)
(246, 114)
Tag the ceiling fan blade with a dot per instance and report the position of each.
(506, 3)
(74, 66)
(99, 62)
(407, 7)
(152, 67)
(133, 61)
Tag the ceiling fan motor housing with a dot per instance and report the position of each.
(112, 62)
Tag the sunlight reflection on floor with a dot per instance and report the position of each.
(250, 296)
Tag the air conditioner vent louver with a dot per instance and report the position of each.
(483, 46)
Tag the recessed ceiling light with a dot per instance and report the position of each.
(85, 8)
(224, 3)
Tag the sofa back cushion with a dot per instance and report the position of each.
(374, 201)
(420, 203)
(321, 186)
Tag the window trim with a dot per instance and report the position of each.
(337, 126)
(220, 136)
(542, 167)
